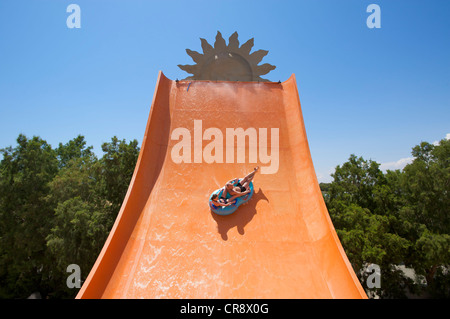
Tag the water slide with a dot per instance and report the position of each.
(166, 243)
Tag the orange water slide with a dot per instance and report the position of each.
(166, 243)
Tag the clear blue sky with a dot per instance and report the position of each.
(372, 92)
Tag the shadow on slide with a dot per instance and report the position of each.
(239, 218)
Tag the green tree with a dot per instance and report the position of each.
(74, 149)
(57, 207)
(87, 194)
(78, 234)
(426, 213)
(362, 206)
(401, 217)
(355, 182)
(117, 167)
(79, 226)
(25, 216)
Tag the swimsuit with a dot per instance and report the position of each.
(242, 188)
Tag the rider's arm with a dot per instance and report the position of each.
(224, 193)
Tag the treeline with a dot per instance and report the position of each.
(57, 206)
(397, 220)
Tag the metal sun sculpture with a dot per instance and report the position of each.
(227, 62)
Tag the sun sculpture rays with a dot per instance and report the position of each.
(231, 62)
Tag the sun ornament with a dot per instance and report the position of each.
(231, 62)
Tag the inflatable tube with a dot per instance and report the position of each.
(227, 210)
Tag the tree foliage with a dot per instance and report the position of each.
(396, 218)
(57, 207)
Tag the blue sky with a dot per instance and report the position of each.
(375, 93)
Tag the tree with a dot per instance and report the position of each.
(426, 186)
(355, 182)
(401, 217)
(117, 165)
(87, 194)
(25, 216)
(361, 204)
(57, 207)
(74, 149)
(78, 227)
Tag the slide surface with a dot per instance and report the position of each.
(166, 243)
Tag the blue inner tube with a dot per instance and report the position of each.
(227, 210)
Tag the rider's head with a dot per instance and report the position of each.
(214, 197)
(229, 186)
